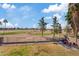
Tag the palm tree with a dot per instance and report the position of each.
(5, 21)
(72, 17)
(42, 25)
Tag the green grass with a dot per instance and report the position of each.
(39, 34)
(46, 33)
(24, 31)
(38, 50)
(20, 52)
(12, 32)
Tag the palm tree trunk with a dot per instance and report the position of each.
(75, 25)
(76, 36)
(5, 33)
(5, 26)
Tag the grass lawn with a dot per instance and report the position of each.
(7, 32)
(48, 49)
(39, 34)
(35, 33)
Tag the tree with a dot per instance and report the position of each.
(0, 23)
(5, 21)
(72, 17)
(55, 26)
(60, 28)
(42, 25)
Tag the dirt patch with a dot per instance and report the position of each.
(23, 38)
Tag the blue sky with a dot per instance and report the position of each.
(28, 14)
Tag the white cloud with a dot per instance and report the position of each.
(25, 8)
(57, 15)
(48, 17)
(64, 24)
(55, 8)
(34, 26)
(9, 24)
(12, 7)
(16, 25)
(1, 20)
(60, 20)
(7, 6)
(49, 26)
(58, 11)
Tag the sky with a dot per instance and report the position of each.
(27, 15)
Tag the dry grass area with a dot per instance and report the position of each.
(47, 49)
